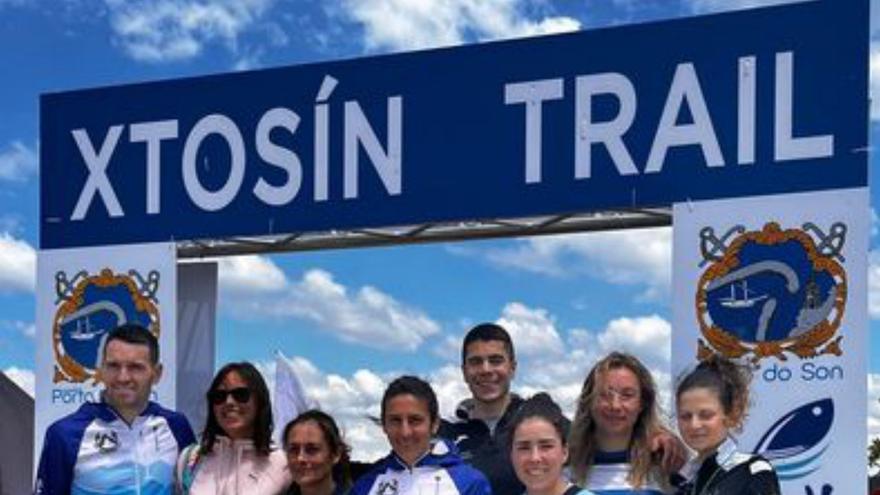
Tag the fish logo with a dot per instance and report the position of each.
(796, 442)
(771, 292)
(88, 307)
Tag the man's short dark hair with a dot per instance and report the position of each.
(134, 333)
(487, 332)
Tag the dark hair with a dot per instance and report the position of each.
(134, 333)
(728, 380)
(342, 469)
(487, 332)
(582, 442)
(262, 436)
(540, 406)
(415, 386)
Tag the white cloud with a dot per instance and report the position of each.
(449, 348)
(17, 162)
(875, 221)
(167, 30)
(873, 406)
(408, 24)
(532, 330)
(22, 377)
(27, 329)
(701, 6)
(648, 337)
(18, 264)
(250, 274)
(629, 257)
(366, 316)
(875, 78)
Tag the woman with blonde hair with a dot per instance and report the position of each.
(617, 437)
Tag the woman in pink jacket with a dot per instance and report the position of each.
(235, 456)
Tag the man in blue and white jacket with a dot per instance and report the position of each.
(124, 444)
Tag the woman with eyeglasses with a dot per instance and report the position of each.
(316, 455)
(617, 438)
(235, 455)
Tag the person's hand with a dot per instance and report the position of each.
(671, 452)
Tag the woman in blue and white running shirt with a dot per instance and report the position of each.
(539, 449)
(616, 423)
(417, 464)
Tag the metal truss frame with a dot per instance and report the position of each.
(428, 232)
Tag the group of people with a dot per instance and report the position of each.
(497, 443)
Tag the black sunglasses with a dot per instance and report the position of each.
(240, 395)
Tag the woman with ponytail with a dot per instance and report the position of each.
(316, 455)
(712, 402)
(539, 448)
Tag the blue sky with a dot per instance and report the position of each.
(386, 310)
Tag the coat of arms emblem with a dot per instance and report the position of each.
(772, 292)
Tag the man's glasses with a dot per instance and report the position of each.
(240, 395)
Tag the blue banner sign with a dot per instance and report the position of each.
(748, 103)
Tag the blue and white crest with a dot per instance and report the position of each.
(772, 292)
(797, 441)
(88, 308)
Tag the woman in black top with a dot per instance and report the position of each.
(712, 401)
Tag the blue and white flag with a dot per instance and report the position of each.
(290, 397)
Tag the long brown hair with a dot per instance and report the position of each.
(582, 442)
(263, 425)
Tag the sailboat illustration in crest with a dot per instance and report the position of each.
(747, 299)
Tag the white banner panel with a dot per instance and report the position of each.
(196, 328)
(780, 282)
(81, 295)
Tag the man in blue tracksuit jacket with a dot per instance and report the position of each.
(125, 444)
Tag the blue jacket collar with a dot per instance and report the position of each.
(441, 453)
(105, 412)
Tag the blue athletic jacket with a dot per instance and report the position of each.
(94, 451)
(439, 472)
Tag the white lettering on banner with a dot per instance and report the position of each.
(322, 140)
(387, 161)
(684, 90)
(153, 133)
(358, 130)
(747, 114)
(610, 133)
(533, 94)
(226, 128)
(96, 163)
(788, 147)
(279, 156)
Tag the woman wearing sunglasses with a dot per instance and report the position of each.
(234, 455)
